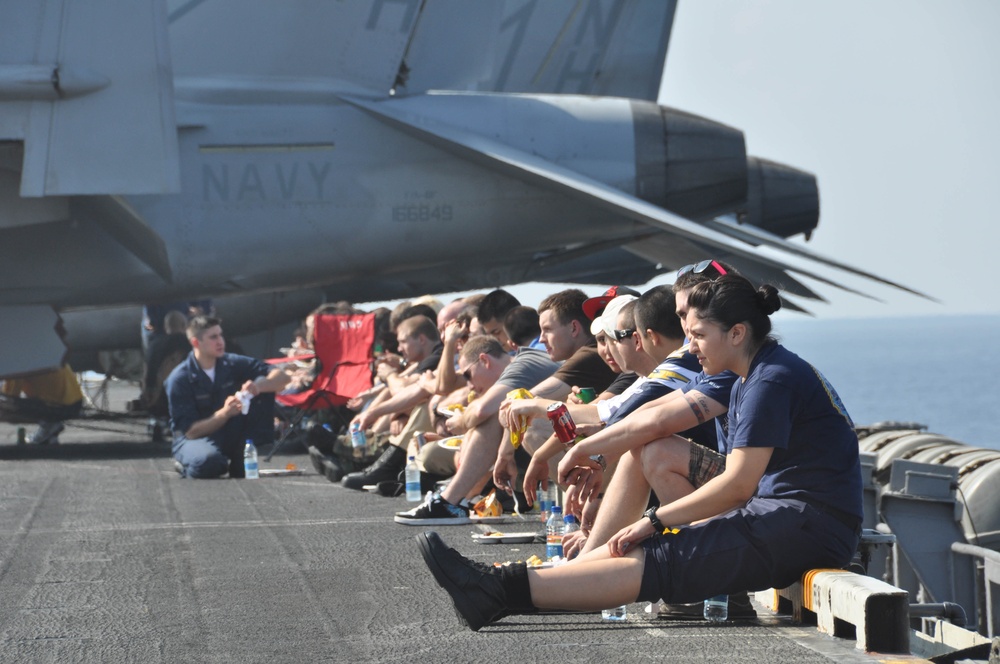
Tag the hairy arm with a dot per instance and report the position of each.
(663, 417)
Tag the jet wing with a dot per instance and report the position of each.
(87, 88)
(541, 172)
(758, 236)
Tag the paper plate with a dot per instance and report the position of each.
(280, 472)
(454, 448)
(506, 538)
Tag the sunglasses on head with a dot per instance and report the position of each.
(698, 268)
(622, 335)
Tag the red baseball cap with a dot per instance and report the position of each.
(595, 305)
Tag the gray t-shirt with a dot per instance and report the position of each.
(529, 367)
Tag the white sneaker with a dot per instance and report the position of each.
(47, 433)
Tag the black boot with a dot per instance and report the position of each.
(480, 594)
(386, 467)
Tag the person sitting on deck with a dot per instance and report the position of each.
(788, 499)
(206, 415)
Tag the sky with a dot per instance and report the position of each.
(893, 105)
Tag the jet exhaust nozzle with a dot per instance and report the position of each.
(780, 199)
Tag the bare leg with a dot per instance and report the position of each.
(661, 465)
(479, 452)
(624, 499)
(665, 465)
(595, 581)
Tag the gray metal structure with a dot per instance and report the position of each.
(375, 149)
(940, 499)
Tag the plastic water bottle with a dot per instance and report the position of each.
(546, 499)
(717, 608)
(554, 534)
(412, 480)
(571, 525)
(618, 613)
(250, 461)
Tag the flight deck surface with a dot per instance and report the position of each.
(107, 555)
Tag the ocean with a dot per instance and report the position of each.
(942, 371)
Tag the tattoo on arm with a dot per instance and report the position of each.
(699, 411)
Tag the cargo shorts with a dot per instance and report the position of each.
(704, 465)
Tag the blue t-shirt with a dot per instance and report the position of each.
(785, 403)
(719, 388)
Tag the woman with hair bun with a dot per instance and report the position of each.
(788, 500)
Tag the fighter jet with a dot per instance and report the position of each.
(277, 153)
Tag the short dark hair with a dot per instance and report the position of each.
(419, 325)
(481, 343)
(521, 325)
(656, 310)
(495, 305)
(627, 310)
(567, 306)
(197, 325)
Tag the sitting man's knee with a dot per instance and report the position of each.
(201, 459)
(665, 455)
(206, 467)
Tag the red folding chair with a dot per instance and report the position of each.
(343, 346)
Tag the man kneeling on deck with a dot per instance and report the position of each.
(207, 415)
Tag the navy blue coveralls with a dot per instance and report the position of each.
(193, 397)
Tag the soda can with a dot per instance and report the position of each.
(587, 394)
(357, 436)
(562, 423)
(421, 439)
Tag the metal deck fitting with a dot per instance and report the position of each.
(878, 612)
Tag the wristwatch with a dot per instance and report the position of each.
(655, 520)
(599, 459)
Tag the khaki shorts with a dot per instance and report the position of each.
(704, 465)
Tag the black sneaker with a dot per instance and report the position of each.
(478, 594)
(386, 467)
(436, 511)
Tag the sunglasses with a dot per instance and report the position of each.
(622, 335)
(698, 268)
(467, 374)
